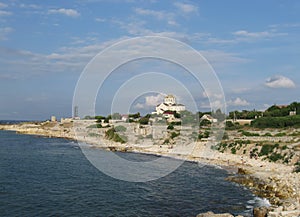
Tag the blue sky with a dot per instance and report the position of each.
(254, 48)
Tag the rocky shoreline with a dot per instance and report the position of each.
(273, 181)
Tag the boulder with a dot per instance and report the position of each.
(243, 171)
(260, 211)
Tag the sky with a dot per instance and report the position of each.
(253, 48)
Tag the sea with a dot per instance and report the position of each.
(42, 176)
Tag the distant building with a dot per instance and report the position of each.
(282, 106)
(124, 118)
(292, 113)
(53, 118)
(66, 120)
(169, 104)
(209, 118)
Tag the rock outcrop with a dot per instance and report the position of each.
(211, 214)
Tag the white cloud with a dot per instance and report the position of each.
(4, 32)
(256, 35)
(5, 13)
(154, 100)
(32, 6)
(238, 102)
(100, 20)
(134, 28)
(240, 90)
(212, 105)
(209, 94)
(137, 28)
(219, 58)
(2, 5)
(279, 81)
(186, 8)
(244, 36)
(172, 23)
(22, 63)
(139, 106)
(156, 14)
(150, 101)
(64, 11)
(71, 59)
(160, 15)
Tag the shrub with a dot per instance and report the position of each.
(130, 120)
(280, 134)
(224, 145)
(266, 149)
(245, 133)
(118, 138)
(206, 134)
(233, 150)
(174, 134)
(144, 120)
(120, 129)
(109, 134)
(229, 124)
(275, 157)
(277, 122)
(170, 127)
(95, 126)
(112, 135)
(203, 135)
(255, 150)
(167, 141)
(204, 123)
(297, 168)
(200, 136)
(176, 123)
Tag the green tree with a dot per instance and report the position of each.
(99, 118)
(135, 116)
(144, 120)
(116, 116)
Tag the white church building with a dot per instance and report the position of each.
(169, 104)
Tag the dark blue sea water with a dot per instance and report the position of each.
(51, 177)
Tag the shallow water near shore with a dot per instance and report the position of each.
(51, 177)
